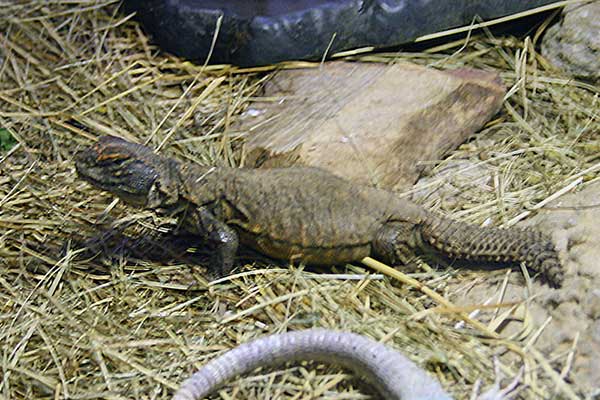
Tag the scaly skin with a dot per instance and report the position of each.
(303, 214)
(393, 375)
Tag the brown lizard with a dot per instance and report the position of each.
(303, 214)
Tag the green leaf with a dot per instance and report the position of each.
(7, 141)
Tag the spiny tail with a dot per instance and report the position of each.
(470, 242)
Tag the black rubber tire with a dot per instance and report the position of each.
(260, 32)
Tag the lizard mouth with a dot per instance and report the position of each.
(86, 167)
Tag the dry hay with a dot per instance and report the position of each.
(101, 302)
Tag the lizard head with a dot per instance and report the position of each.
(130, 171)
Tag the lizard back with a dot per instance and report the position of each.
(297, 213)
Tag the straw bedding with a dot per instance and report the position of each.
(98, 300)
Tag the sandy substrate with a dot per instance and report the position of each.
(566, 320)
(575, 308)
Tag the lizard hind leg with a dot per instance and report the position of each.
(395, 242)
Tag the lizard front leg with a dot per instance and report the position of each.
(223, 237)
